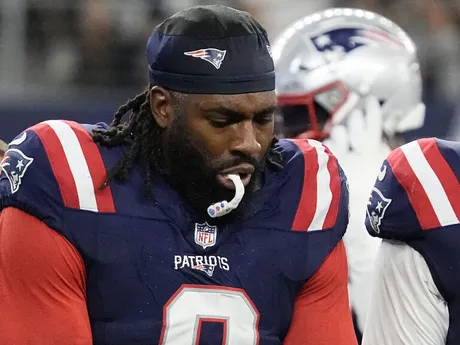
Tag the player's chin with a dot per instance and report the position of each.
(224, 181)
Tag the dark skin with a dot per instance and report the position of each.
(203, 135)
(222, 124)
(193, 141)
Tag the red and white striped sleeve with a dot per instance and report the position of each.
(321, 312)
(418, 189)
(429, 181)
(319, 203)
(52, 166)
(77, 165)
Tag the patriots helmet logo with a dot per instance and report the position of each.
(376, 208)
(205, 235)
(212, 55)
(334, 44)
(14, 165)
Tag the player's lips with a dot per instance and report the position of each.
(244, 170)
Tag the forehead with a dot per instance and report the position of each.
(242, 103)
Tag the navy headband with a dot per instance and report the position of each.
(211, 50)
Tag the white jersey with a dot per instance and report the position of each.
(406, 307)
(361, 166)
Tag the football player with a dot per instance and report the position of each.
(415, 208)
(188, 223)
(350, 78)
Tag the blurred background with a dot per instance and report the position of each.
(81, 59)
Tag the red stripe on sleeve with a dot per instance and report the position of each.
(308, 200)
(96, 167)
(335, 185)
(443, 171)
(414, 189)
(59, 164)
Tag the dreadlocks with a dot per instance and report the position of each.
(143, 133)
(137, 132)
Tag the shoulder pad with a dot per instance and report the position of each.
(323, 202)
(417, 189)
(53, 165)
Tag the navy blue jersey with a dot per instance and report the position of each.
(416, 199)
(156, 274)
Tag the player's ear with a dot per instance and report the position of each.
(161, 106)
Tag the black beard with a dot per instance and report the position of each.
(191, 172)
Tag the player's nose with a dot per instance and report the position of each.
(245, 140)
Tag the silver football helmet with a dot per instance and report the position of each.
(329, 63)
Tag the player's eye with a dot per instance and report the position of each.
(219, 122)
(264, 119)
(222, 120)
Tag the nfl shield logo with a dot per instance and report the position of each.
(205, 235)
(376, 208)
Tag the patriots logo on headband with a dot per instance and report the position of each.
(212, 55)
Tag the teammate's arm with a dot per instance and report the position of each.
(406, 307)
(322, 313)
(42, 285)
